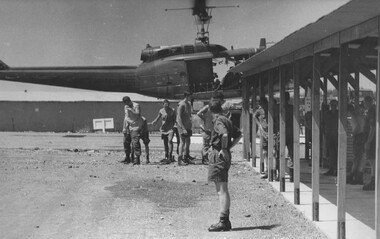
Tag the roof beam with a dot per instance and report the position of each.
(359, 31)
(367, 73)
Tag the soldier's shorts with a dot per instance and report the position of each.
(218, 166)
(145, 137)
(183, 135)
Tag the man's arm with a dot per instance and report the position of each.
(135, 110)
(201, 112)
(125, 126)
(180, 110)
(157, 118)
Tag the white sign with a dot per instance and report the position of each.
(103, 124)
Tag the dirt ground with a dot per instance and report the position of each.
(53, 186)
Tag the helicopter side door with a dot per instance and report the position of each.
(171, 77)
(200, 74)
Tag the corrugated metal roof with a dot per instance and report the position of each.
(348, 15)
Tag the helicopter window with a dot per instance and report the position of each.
(163, 53)
(189, 49)
(176, 50)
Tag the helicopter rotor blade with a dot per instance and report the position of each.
(173, 9)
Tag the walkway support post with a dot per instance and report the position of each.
(282, 129)
(342, 140)
(271, 163)
(315, 128)
(377, 192)
(296, 133)
(245, 118)
(253, 124)
(262, 94)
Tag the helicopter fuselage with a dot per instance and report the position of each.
(165, 72)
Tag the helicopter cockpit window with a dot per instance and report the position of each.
(169, 52)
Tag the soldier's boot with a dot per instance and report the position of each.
(137, 160)
(181, 162)
(126, 160)
(222, 225)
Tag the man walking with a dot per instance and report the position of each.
(184, 125)
(168, 116)
(134, 121)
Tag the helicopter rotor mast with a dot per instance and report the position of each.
(202, 15)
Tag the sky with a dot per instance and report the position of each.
(113, 32)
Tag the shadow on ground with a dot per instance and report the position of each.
(268, 227)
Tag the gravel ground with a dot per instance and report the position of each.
(85, 193)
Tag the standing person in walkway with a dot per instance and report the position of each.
(184, 125)
(261, 117)
(330, 126)
(168, 116)
(134, 120)
(370, 140)
(206, 116)
(308, 135)
(357, 123)
(224, 136)
(289, 132)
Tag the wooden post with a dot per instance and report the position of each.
(356, 90)
(315, 126)
(245, 118)
(342, 140)
(271, 163)
(282, 128)
(253, 125)
(262, 160)
(377, 192)
(296, 133)
(323, 136)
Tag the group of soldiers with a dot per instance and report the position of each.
(174, 123)
(219, 136)
(261, 118)
(362, 125)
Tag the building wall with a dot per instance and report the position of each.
(45, 116)
(66, 116)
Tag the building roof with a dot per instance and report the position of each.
(351, 14)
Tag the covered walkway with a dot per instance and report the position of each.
(340, 49)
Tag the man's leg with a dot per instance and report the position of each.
(136, 146)
(178, 138)
(181, 157)
(289, 146)
(224, 199)
(127, 148)
(224, 204)
(146, 142)
(170, 146)
(187, 150)
(330, 152)
(265, 156)
(206, 146)
(166, 146)
(147, 152)
(166, 160)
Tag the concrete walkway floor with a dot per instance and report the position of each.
(360, 205)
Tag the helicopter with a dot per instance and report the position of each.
(164, 71)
